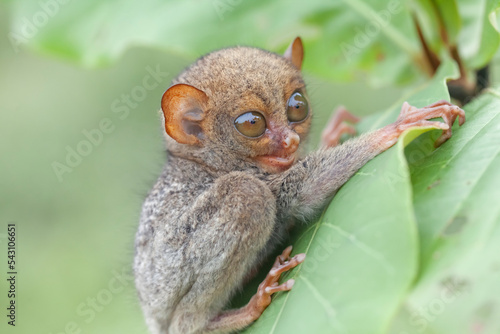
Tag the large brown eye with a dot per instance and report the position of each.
(251, 124)
(298, 108)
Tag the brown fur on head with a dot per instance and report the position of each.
(201, 107)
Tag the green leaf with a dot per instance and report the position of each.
(435, 173)
(456, 192)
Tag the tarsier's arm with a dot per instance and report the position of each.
(308, 185)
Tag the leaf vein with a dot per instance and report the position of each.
(330, 311)
(364, 248)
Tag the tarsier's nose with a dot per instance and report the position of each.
(291, 142)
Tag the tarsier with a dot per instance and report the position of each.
(236, 177)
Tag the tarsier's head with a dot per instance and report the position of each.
(244, 105)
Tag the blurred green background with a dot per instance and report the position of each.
(75, 232)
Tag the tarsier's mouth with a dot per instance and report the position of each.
(277, 161)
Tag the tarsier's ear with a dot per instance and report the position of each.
(295, 52)
(184, 107)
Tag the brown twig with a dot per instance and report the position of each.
(462, 88)
(430, 56)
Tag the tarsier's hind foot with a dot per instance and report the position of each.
(411, 116)
(240, 318)
(270, 285)
(339, 124)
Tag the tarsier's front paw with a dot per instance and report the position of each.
(419, 117)
(261, 300)
(338, 125)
